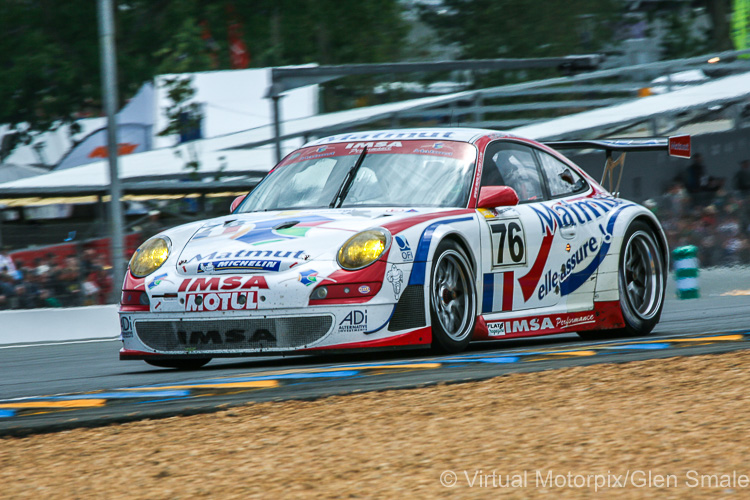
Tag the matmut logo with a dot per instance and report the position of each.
(221, 301)
(574, 213)
(222, 283)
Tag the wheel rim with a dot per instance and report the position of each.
(452, 295)
(643, 275)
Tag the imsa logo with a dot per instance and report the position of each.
(221, 301)
(500, 328)
(215, 337)
(222, 283)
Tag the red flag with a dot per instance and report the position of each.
(211, 45)
(239, 56)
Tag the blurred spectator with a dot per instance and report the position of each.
(694, 175)
(719, 226)
(47, 300)
(742, 178)
(7, 290)
(52, 281)
(676, 199)
(701, 186)
(7, 266)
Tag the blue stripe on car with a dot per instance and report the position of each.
(489, 292)
(419, 269)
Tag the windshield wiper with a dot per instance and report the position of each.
(338, 200)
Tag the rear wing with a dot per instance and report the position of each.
(678, 146)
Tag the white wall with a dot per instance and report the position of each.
(50, 325)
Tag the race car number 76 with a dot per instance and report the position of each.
(508, 243)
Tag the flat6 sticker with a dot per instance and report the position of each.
(508, 243)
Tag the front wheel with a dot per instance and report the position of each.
(452, 299)
(179, 364)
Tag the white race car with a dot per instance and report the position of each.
(401, 239)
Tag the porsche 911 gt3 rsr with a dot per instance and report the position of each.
(400, 239)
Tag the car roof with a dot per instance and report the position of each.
(459, 134)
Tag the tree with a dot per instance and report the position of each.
(46, 60)
(489, 29)
(49, 50)
(719, 35)
(515, 28)
(682, 38)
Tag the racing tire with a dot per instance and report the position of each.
(642, 281)
(453, 299)
(179, 364)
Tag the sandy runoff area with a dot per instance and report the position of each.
(673, 428)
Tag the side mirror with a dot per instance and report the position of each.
(236, 203)
(497, 196)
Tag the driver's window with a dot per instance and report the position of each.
(561, 178)
(510, 164)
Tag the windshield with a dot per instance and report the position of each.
(393, 173)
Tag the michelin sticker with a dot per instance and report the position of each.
(239, 265)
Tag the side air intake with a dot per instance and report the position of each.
(409, 311)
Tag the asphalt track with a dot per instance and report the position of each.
(49, 387)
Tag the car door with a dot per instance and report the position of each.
(526, 248)
(582, 234)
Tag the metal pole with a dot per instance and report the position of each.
(109, 94)
(277, 126)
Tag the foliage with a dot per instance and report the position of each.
(681, 38)
(513, 28)
(184, 115)
(47, 55)
(49, 50)
(488, 29)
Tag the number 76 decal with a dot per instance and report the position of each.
(508, 243)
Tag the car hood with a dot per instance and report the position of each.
(269, 242)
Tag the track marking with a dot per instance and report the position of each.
(121, 395)
(573, 353)
(641, 346)
(411, 366)
(256, 384)
(238, 384)
(300, 373)
(72, 403)
(701, 339)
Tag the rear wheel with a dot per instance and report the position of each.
(452, 299)
(642, 282)
(180, 364)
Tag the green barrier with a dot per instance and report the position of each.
(686, 271)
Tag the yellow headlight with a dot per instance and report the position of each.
(363, 249)
(149, 257)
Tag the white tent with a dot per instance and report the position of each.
(49, 147)
(717, 92)
(231, 101)
(232, 150)
(228, 153)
